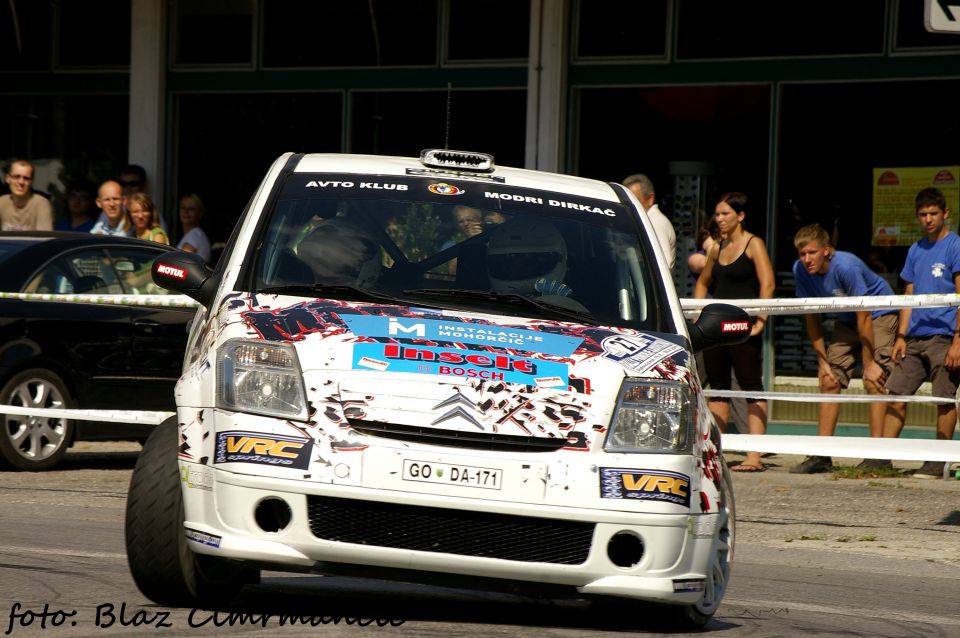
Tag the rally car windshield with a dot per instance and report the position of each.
(519, 252)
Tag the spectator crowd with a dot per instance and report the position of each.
(898, 350)
(120, 206)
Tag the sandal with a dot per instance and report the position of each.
(746, 467)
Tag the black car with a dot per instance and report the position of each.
(81, 355)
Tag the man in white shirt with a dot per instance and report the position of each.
(114, 220)
(642, 187)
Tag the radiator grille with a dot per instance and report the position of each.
(430, 529)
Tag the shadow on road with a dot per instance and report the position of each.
(341, 600)
(97, 461)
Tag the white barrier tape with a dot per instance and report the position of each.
(845, 446)
(161, 301)
(825, 398)
(810, 305)
(691, 307)
(109, 416)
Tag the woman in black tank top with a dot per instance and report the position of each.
(738, 268)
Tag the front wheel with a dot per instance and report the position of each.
(163, 566)
(718, 573)
(33, 442)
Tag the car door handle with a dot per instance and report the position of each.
(146, 327)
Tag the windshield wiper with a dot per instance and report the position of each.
(332, 291)
(545, 308)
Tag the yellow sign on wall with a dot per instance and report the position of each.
(894, 190)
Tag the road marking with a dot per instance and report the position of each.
(872, 613)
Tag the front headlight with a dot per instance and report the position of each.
(262, 378)
(651, 416)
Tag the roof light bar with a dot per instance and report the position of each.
(463, 160)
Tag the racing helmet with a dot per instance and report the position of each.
(523, 252)
(341, 253)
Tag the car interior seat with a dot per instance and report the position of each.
(292, 270)
(89, 284)
(472, 268)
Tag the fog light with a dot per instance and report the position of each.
(272, 514)
(625, 549)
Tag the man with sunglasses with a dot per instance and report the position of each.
(133, 180)
(24, 209)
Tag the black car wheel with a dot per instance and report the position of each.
(34, 442)
(718, 574)
(163, 566)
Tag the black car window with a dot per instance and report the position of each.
(114, 271)
(131, 267)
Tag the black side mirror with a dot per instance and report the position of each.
(719, 324)
(185, 273)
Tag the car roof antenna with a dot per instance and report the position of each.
(446, 137)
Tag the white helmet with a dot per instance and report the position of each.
(341, 253)
(522, 252)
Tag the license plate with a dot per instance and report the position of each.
(452, 474)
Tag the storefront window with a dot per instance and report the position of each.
(93, 35)
(621, 29)
(491, 30)
(349, 34)
(406, 122)
(226, 143)
(213, 32)
(723, 29)
(26, 32)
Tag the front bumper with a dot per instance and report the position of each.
(656, 557)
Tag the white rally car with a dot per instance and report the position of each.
(409, 368)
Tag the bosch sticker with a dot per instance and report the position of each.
(645, 485)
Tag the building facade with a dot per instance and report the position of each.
(795, 110)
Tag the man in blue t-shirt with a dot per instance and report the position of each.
(929, 349)
(822, 271)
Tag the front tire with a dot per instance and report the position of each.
(163, 566)
(34, 443)
(718, 573)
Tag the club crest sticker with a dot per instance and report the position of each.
(445, 189)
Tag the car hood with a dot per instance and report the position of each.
(474, 374)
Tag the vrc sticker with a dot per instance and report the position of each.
(645, 485)
(264, 449)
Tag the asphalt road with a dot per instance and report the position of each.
(814, 555)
